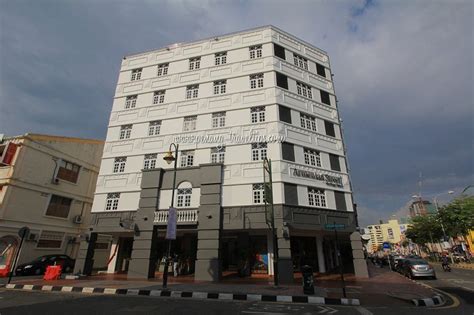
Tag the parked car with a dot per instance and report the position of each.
(39, 265)
(399, 265)
(394, 259)
(413, 268)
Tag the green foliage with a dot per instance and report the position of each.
(458, 216)
(424, 229)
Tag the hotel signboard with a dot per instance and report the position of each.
(330, 180)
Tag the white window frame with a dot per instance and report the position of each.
(192, 91)
(317, 197)
(149, 161)
(187, 158)
(189, 123)
(184, 196)
(220, 58)
(256, 81)
(220, 87)
(131, 101)
(258, 193)
(112, 201)
(125, 132)
(259, 151)
(159, 97)
(257, 114)
(119, 164)
(154, 128)
(218, 155)
(308, 122)
(304, 90)
(255, 51)
(136, 74)
(195, 63)
(218, 119)
(312, 157)
(300, 61)
(162, 69)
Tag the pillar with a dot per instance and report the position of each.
(285, 261)
(320, 252)
(85, 256)
(270, 252)
(143, 262)
(360, 264)
(208, 261)
(114, 248)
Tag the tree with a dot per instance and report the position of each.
(424, 229)
(458, 216)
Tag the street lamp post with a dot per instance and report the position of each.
(169, 158)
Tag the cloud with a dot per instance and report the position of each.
(403, 74)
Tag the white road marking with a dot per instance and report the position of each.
(363, 310)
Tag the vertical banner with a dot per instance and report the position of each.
(171, 227)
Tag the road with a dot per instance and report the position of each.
(32, 302)
(459, 283)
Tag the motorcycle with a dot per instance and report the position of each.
(446, 267)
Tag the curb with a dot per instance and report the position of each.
(189, 294)
(435, 300)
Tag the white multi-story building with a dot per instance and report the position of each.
(228, 102)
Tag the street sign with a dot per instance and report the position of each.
(334, 226)
(386, 245)
(171, 227)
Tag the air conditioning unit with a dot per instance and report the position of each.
(33, 237)
(78, 219)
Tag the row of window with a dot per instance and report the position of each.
(298, 60)
(220, 87)
(221, 59)
(257, 115)
(195, 63)
(258, 153)
(302, 89)
(192, 91)
(316, 197)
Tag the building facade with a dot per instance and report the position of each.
(392, 232)
(47, 183)
(229, 102)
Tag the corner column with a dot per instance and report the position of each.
(144, 256)
(208, 262)
(320, 252)
(85, 256)
(360, 264)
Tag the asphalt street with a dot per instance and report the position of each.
(23, 302)
(458, 285)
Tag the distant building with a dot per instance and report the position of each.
(392, 232)
(47, 183)
(421, 207)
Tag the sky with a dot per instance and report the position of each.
(403, 73)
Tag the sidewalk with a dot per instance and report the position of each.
(384, 287)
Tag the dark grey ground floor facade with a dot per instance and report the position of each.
(213, 239)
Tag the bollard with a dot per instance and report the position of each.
(308, 282)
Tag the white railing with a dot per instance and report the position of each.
(183, 216)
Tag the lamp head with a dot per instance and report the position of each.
(169, 158)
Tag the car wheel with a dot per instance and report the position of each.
(38, 271)
(434, 278)
(410, 275)
(67, 269)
